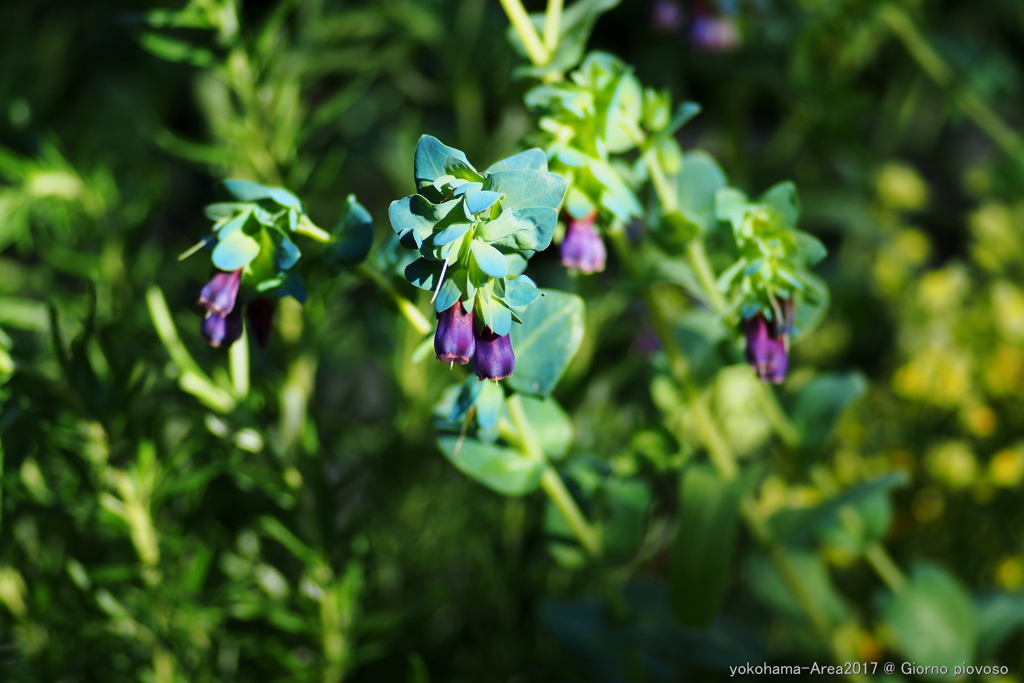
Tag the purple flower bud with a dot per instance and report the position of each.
(219, 294)
(766, 350)
(222, 330)
(494, 357)
(453, 340)
(260, 313)
(582, 247)
(710, 33)
(667, 15)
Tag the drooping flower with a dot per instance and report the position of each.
(712, 32)
(219, 294)
(454, 341)
(494, 356)
(260, 313)
(222, 330)
(766, 349)
(583, 248)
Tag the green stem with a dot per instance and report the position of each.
(936, 67)
(405, 307)
(552, 484)
(552, 25)
(522, 24)
(886, 568)
(238, 358)
(777, 417)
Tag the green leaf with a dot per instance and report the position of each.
(730, 205)
(550, 424)
(532, 159)
(466, 398)
(488, 259)
(413, 218)
(352, 238)
(699, 183)
(767, 584)
(999, 615)
(932, 619)
(549, 337)
(521, 291)
(810, 250)
(481, 201)
(430, 158)
(799, 525)
(489, 404)
(235, 250)
(286, 254)
(503, 470)
(503, 226)
(685, 112)
(247, 191)
(626, 505)
(704, 546)
(819, 403)
(784, 200)
(527, 188)
(813, 304)
(423, 273)
(176, 50)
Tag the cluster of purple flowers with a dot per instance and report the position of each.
(222, 325)
(768, 343)
(458, 339)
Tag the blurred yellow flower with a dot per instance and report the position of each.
(942, 289)
(936, 374)
(979, 419)
(952, 463)
(900, 187)
(995, 240)
(1010, 573)
(1006, 468)
(1008, 310)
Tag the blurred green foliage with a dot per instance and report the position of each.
(164, 519)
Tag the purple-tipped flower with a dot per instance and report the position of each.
(494, 356)
(667, 15)
(582, 247)
(453, 340)
(260, 313)
(219, 294)
(766, 350)
(222, 330)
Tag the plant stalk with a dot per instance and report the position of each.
(552, 26)
(552, 484)
(523, 26)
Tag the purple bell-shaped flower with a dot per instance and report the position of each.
(582, 248)
(222, 330)
(453, 340)
(219, 294)
(494, 356)
(766, 349)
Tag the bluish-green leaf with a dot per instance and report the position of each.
(235, 250)
(352, 238)
(247, 191)
(430, 158)
(527, 189)
(932, 619)
(423, 273)
(503, 470)
(684, 114)
(488, 259)
(549, 423)
(481, 201)
(501, 318)
(624, 518)
(699, 183)
(412, 218)
(533, 159)
(447, 295)
(784, 200)
(521, 291)
(701, 563)
(450, 234)
(547, 340)
(286, 254)
(489, 404)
